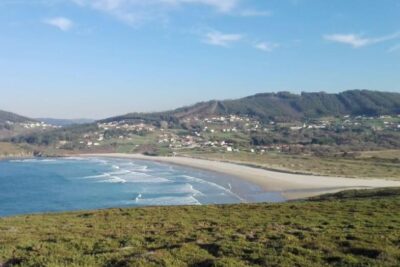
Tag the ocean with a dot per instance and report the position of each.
(67, 184)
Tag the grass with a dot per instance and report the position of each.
(136, 143)
(359, 194)
(351, 229)
(382, 154)
(12, 150)
(383, 164)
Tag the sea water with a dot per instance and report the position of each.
(65, 184)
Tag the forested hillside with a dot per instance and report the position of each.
(12, 117)
(284, 106)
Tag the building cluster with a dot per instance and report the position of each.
(231, 123)
(33, 125)
(122, 125)
(174, 141)
(380, 123)
(216, 132)
(347, 122)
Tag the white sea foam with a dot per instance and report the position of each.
(198, 180)
(121, 172)
(139, 168)
(149, 180)
(196, 192)
(140, 174)
(97, 160)
(97, 176)
(114, 179)
(182, 189)
(75, 158)
(17, 161)
(136, 176)
(34, 160)
(138, 197)
(129, 172)
(143, 168)
(129, 176)
(106, 174)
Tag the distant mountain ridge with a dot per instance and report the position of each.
(65, 122)
(282, 106)
(285, 106)
(12, 117)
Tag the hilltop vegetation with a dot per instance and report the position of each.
(12, 125)
(362, 229)
(47, 138)
(12, 117)
(284, 106)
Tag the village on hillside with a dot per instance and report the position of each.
(224, 133)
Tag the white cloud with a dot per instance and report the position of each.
(134, 12)
(221, 39)
(61, 23)
(255, 13)
(266, 46)
(220, 5)
(358, 41)
(223, 5)
(138, 12)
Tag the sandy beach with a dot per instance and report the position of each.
(292, 186)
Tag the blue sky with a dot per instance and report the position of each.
(98, 58)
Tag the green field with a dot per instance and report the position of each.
(359, 229)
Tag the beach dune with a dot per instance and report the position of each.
(292, 186)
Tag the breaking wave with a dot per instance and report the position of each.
(220, 187)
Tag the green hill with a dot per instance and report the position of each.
(362, 229)
(12, 117)
(285, 106)
(308, 105)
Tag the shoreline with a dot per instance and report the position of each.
(291, 186)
